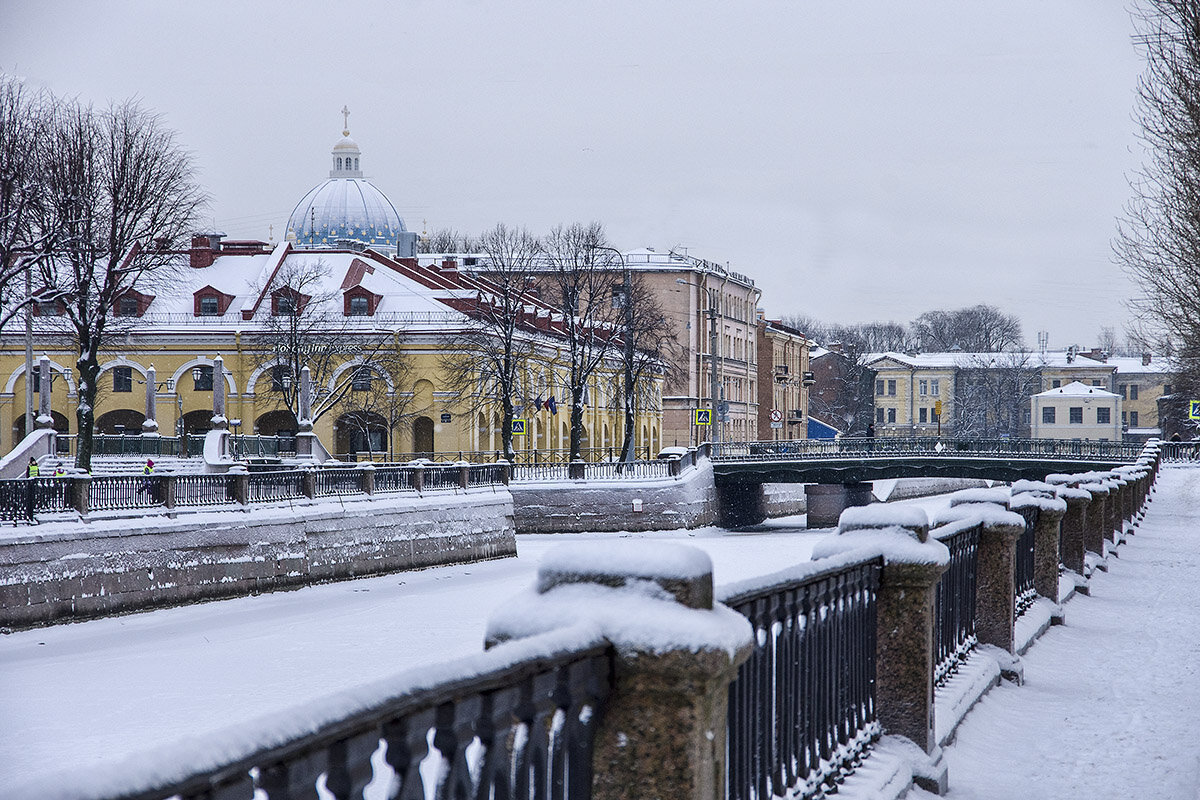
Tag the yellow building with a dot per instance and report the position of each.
(908, 389)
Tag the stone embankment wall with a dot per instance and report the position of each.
(687, 501)
(65, 571)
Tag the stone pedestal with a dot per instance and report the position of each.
(827, 501)
(1097, 518)
(1074, 525)
(1045, 553)
(995, 612)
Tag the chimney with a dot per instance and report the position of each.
(449, 265)
(204, 250)
(1146, 358)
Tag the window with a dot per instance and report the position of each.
(1097, 382)
(1103, 416)
(891, 415)
(924, 414)
(339, 166)
(891, 388)
(361, 382)
(1048, 415)
(37, 379)
(127, 307)
(122, 379)
(1133, 391)
(202, 379)
(285, 305)
(1054, 384)
(1167, 389)
(933, 415)
(1124, 386)
(935, 386)
(281, 378)
(210, 306)
(922, 388)
(1133, 421)
(879, 415)
(618, 297)
(49, 308)
(359, 306)
(879, 389)
(1124, 419)
(1076, 415)
(356, 163)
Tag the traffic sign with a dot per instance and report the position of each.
(704, 416)
(937, 407)
(1194, 409)
(518, 427)
(776, 424)
(776, 415)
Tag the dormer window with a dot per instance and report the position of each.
(359, 306)
(287, 302)
(127, 306)
(285, 305)
(49, 308)
(210, 306)
(210, 302)
(131, 303)
(360, 302)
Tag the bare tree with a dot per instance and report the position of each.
(582, 290)
(448, 240)
(1158, 239)
(977, 329)
(486, 368)
(118, 192)
(375, 400)
(307, 328)
(991, 394)
(1107, 340)
(844, 393)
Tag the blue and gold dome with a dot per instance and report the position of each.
(347, 206)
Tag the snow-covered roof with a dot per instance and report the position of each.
(1132, 366)
(961, 359)
(1077, 389)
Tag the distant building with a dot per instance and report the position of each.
(783, 381)
(1141, 382)
(1077, 411)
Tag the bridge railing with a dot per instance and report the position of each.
(1180, 451)
(1023, 592)
(926, 446)
(23, 498)
(954, 600)
(802, 708)
(518, 721)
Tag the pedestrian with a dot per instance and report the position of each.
(32, 470)
(871, 430)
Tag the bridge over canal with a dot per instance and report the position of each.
(839, 471)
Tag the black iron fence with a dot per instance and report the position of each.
(23, 498)
(927, 446)
(339, 481)
(394, 479)
(485, 474)
(523, 730)
(276, 485)
(802, 708)
(589, 454)
(442, 477)
(1024, 594)
(115, 492)
(954, 604)
(1180, 451)
(204, 490)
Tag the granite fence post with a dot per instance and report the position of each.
(1046, 555)
(1074, 525)
(995, 608)
(81, 491)
(1097, 518)
(418, 479)
(308, 483)
(366, 474)
(170, 485)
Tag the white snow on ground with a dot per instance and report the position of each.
(1108, 708)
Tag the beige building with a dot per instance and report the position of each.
(1140, 382)
(908, 390)
(784, 379)
(1076, 411)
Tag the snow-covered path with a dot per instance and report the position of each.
(1109, 707)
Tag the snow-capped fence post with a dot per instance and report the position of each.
(904, 646)
(1046, 556)
(366, 475)
(418, 479)
(464, 475)
(663, 730)
(577, 470)
(241, 485)
(81, 491)
(1074, 525)
(308, 482)
(169, 485)
(1097, 517)
(995, 595)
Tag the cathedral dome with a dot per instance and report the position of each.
(347, 206)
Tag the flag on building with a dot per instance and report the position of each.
(537, 404)
(553, 406)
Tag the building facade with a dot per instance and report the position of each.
(784, 379)
(1076, 411)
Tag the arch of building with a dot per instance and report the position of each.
(120, 421)
(61, 425)
(11, 383)
(360, 362)
(360, 431)
(279, 422)
(203, 361)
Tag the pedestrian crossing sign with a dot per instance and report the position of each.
(1194, 409)
(518, 427)
(704, 416)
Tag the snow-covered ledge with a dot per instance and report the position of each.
(37, 445)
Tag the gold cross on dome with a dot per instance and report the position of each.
(346, 120)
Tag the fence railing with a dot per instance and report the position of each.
(115, 492)
(588, 454)
(21, 499)
(485, 474)
(1024, 594)
(1180, 451)
(442, 477)
(954, 602)
(927, 446)
(592, 471)
(802, 708)
(204, 490)
(276, 485)
(523, 730)
(339, 481)
(394, 479)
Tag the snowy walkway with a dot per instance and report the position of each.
(1109, 706)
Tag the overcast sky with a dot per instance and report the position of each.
(861, 161)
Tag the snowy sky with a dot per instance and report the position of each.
(862, 160)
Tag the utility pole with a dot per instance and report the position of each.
(28, 352)
(713, 381)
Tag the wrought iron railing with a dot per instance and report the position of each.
(926, 446)
(485, 474)
(114, 492)
(595, 471)
(256, 446)
(394, 479)
(520, 730)
(525, 473)
(21, 499)
(589, 454)
(1023, 592)
(108, 444)
(802, 708)
(276, 485)
(204, 490)
(1180, 451)
(442, 477)
(339, 481)
(954, 604)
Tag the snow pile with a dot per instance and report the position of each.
(882, 516)
(1038, 501)
(998, 496)
(989, 514)
(795, 574)
(635, 559)
(897, 546)
(1033, 486)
